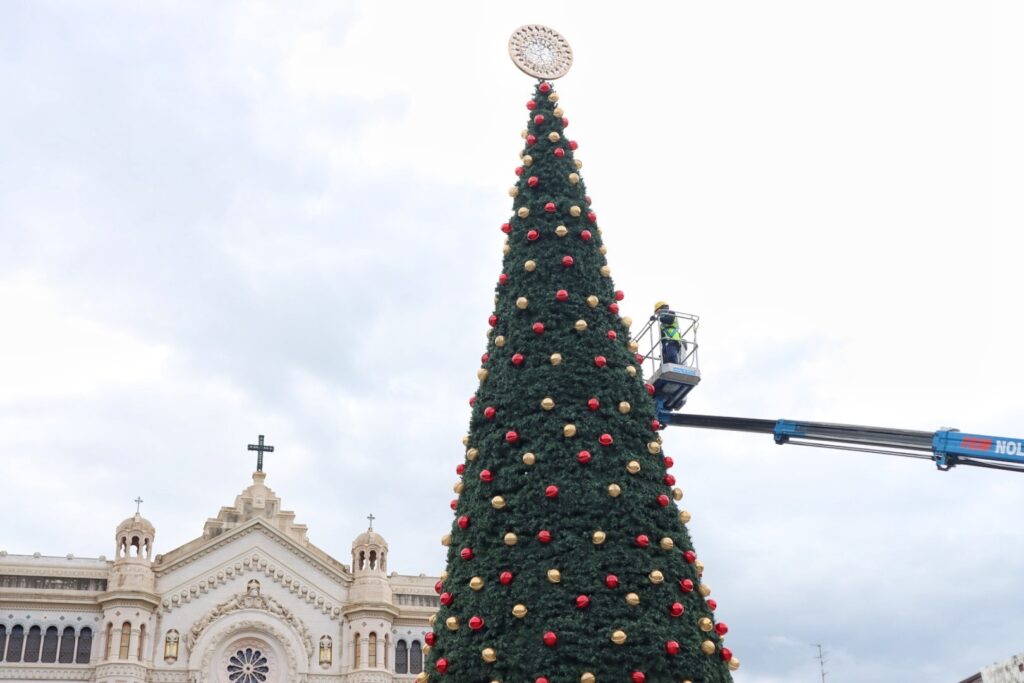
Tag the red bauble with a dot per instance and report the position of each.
(486, 476)
(490, 412)
(669, 480)
(492, 321)
(550, 207)
(531, 139)
(559, 152)
(671, 648)
(567, 261)
(619, 295)
(650, 388)
(532, 235)
(466, 553)
(538, 328)
(586, 235)
(613, 308)
(562, 295)
(544, 536)
(655, 426)
(686, 586)
(637, 677)
(441, 665)
(638, 358)
(593, 404)
(582, 601)
(519, 170)
(612, 334)
(472, 400)
(606, 439)
(690, 556)
(533, 181)
(573, 145)
(463, 521)
(531, 105)
(676, 609)
(565, 122)
(550, 638)
(668, 461)
(484, 358)
(438, 587)
(591, 216)
(544, 87)
(663, 501)
(460, 468)
(511, 436)
(583, 457)
(726, 654)
(538, 119)
(430, 638)
(600, 361)
(446, 599)
(721, 629)
(611, 581)
(454, 504)
(551, 491)
(505, 578)
(476, 623)
(517, 359)
(642, 541)
(712, 605)
(503, 279)
(541, 679)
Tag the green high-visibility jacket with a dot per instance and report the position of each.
(671, 330)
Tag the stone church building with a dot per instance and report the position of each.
(251, 600)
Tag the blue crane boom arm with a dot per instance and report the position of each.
(946, 447)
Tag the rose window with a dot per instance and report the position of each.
(248, 666)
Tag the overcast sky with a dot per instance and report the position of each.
(225, 219)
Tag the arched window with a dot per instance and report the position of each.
(401, 658)
(362, 559)
(356, 652)
(3, 641)
(84, 646)
(66, 654)
(14, 643)
(126, 640)
(415, 657)
(373, 559)
(33, 643)
(142, 641)
(371, 656)
(50, 646)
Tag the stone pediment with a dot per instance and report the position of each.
(256, 501)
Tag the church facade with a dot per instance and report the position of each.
(249, 601)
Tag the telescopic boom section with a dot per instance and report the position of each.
(946, 447)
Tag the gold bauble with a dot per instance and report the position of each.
(446, 540)
(426, 649)
(553, 97)
(569, 430)
(530, 266)
(452, 623)
(444, 576)
(519, 611)
(575, 211)
(705, 624)
(654, 448)
(606, 271)
(603, 249)
(628, 322)
(707, 647)
(588, 677)
(513, 191)
(734, 664)
(523, 133)
(497, 502)
(522, 303)
(432, 620)
(684, 516)
(556, 359)
(554, 137)
(624, 407)
(527, 160)
(511, 539)
(558, 112)
(631, 371)
(666, 543)
(593, 301)
(547, 403)
(632, 467)
(705, 590)
(457, 487)
(472, 453)
(554, 576)
(574, 178)
(561, 231)
(579, 165)
(699, 565)
(465, 440)
(488, 655)
(633, 346)
(422, 677)
(506, 249)
(614, 490)
(656, 576)
(632, 599)
(677, 494)
(618, 637)
(598, 537)
(499, 341)
(529, 458)
(482, 374)
(523, 212)
(476, 583)
(580, 325)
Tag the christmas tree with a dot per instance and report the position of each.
(568, 559)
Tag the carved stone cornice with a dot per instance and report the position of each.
(15, 672)
(373, 608)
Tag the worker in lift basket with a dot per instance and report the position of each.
(671, 338)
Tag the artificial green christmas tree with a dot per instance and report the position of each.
(568, 560)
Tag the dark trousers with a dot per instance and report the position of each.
(670, 350)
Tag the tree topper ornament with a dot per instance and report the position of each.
(540, 51)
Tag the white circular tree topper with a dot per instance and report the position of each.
(540, 51)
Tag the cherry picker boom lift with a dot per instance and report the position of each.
(673, 383)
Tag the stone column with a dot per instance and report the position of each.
(380, 652)
(364, 650)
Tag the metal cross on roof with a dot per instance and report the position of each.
(371, 518)
(138, 503)
(260, 449)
